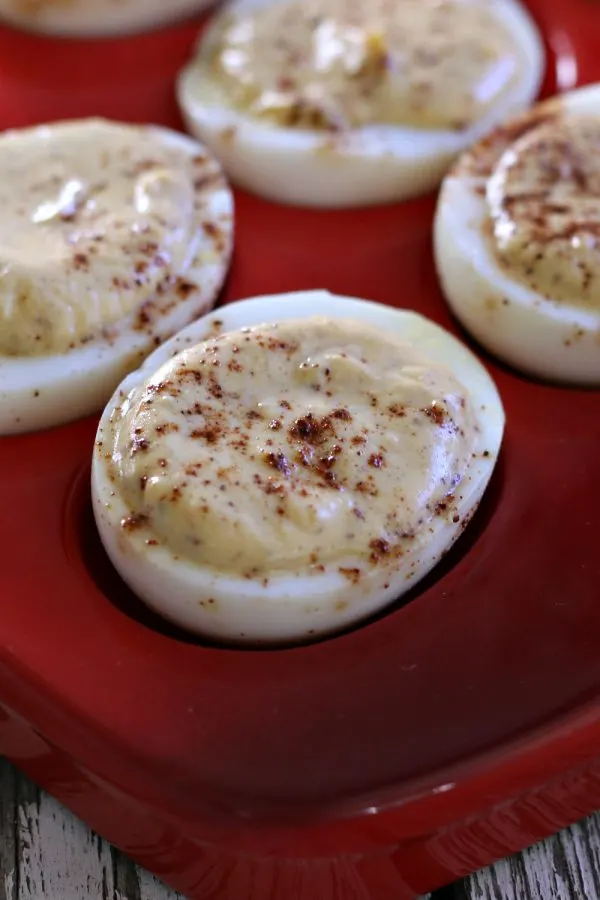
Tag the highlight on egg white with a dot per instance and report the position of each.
(44, 390)
(373, 164)
(280, 606)
(526, 327)
(96, 17)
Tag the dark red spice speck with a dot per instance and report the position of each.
(436, 413)
(352, 575)
(366, 487)
(215, 390)
(185, 288)
(379, 548)
(327, 461)
(131, 523)
(143, 316)
(273, 343)
(311, 429)
(139, 443)
(278, 461)
(272, 488)
(166, 428)
(209, 228)
(376, 460)
(343, 414)
(209, 434)
(443, 505)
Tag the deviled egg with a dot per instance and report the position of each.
(112, 238)
(339, 103)
(96, 17)
(517, 239)
(290, 464)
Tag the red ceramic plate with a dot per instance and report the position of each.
(449, 731)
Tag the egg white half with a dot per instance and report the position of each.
(38, 392)
(289, 608)
(543, 338)
(97, 17)
(371, 165)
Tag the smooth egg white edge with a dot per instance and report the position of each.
(289, 608)
(542, 338)
(372, 165)
(90, 18)
(40, 392)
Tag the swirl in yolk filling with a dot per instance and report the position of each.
(97, 223)
(517, 239)
(287, 479)
(262, 451)
(350, 102)
(543, 200)
(112, 238)
(345, 63)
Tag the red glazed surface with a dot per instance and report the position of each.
(380, 744)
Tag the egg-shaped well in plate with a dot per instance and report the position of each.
(96, 17)
(112, 238)
(290, 464)
(517, 239)
(337, 103)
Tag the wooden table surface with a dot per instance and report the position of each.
(48, 854)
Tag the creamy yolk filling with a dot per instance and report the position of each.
(338, 64)
(544, 204)
(97, 223)
(35, 7)
(292, 447)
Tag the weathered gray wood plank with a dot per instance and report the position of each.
(48, 854)
(8, 832)
(565, 867)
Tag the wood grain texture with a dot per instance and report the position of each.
(48, 854)
(565, 867)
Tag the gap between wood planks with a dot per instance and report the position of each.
(48, 854)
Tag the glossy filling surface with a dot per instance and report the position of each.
(343, 63)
